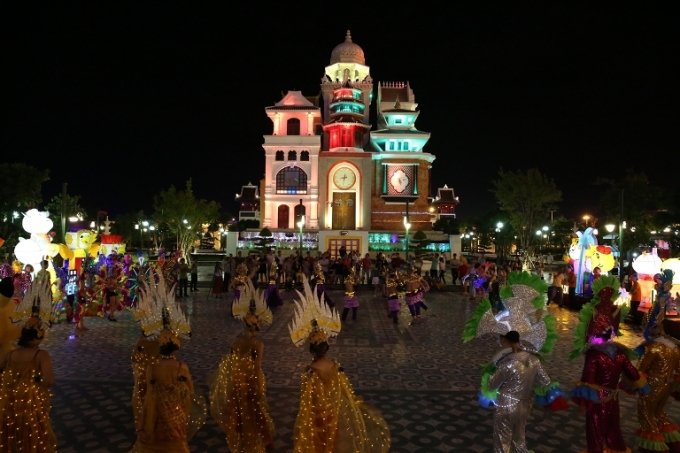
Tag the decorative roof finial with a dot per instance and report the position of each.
(397, 104)
(348, 37)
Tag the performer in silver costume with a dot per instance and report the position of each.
(518, 372)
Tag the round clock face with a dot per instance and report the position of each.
(344, 178)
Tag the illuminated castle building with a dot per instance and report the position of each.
(325, 163)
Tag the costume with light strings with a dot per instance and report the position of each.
(24, 399)
(171, 412)
(605, 363)
(240, 283)
(331, 419)
(660, 361)
(238, 389)
(515, 378)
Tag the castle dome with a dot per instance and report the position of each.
(348, 52)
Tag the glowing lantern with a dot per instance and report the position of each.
(674, 265)
(29, 252)
(647, 263)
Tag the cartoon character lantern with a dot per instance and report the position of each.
(32, 251)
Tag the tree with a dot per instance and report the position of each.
(183, 214)
(72, 208)
(264, 241)
(20, 190)
(525, 198)
(447, 226)
(641, 202)
(419, 243)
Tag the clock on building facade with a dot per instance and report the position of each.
(344, 178)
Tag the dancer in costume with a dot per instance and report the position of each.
(273, 296)
(9, 332)
(238, 389)
(605, 362)
(515, 376)
(26, 377)
(171, 413)
(331, 418)
(660, 361)
(412, 281)
(350, 300)
(145, 353)
(320, 279)
(393, 301)
(239, 283)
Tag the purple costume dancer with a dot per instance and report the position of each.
(321, 286)
(393, 300)
(273, 298)
(350, 300)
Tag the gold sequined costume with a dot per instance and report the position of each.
(660, 362)
(24, 399)
(238, 389)
(334, 420)
(146, 353)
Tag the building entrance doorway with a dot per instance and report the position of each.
(344, 210)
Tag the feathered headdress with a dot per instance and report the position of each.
(159, 313)
(523, 301)
(600, 315)
(252, 302)
(313, 319)
(35, 309)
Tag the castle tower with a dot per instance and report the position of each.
(348, 65)
(402, 168)
(291, 187)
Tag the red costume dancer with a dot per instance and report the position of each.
(605, 362)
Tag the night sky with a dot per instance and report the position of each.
(123, 101)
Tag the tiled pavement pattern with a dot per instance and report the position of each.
(422, 377)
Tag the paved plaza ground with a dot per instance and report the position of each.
(422, 377)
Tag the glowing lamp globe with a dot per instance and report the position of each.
(35, 221)
(28, 252)
(674, 265)
(647, 264)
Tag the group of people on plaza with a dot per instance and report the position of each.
(331, 418)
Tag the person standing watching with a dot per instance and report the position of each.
(366, 269)
(455, 266)
(194, 276)
(183, 277)
(635, 298)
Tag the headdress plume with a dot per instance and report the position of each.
(312, 315)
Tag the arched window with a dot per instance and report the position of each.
(291, 180)
(299, 212)
(304, 156)
(292, 155)
(279, 155)
(293, 127)
(284, 217)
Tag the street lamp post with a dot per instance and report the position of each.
(499, 228)
(407, 225)
(301, 225)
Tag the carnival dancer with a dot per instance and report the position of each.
(412, 282)
(518, 373)
(423, 287)
(320, 280)
(350, 300)
(515, 376)
(145, 353)
(9, 332)
(273, 297)
(393, 300)
(605, 362)
(27, 375)
(331, 417)
(171, 412)
(239, 284)
(238, 389)
(660, 361)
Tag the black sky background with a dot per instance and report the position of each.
(122, 101)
